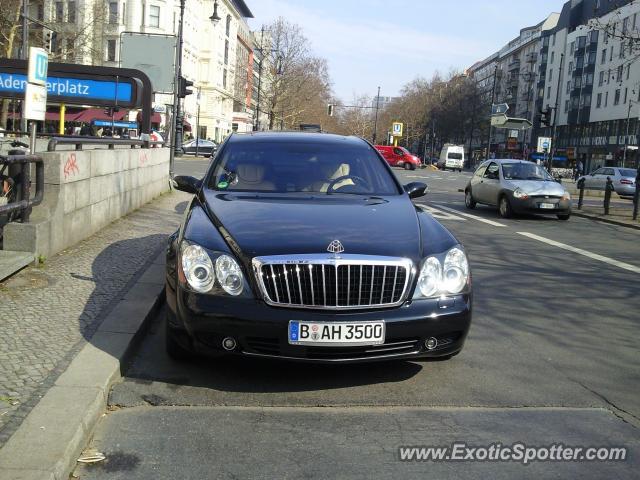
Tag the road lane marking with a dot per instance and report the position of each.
(440, 215)
(586, 253)
(479, 219)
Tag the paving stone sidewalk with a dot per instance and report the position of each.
(47, 313)
(618, 216)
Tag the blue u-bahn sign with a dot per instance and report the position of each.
(78, 88)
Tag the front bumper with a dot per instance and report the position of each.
(534, 204)
(199, 323)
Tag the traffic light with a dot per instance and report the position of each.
(183, 87)
(48, 41)
(330, 110)
(545, 117)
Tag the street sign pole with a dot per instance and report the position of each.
(35, 94)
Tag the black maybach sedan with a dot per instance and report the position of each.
(304, 246)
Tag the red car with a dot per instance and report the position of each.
(399, 157)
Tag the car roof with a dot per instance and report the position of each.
(295, 137)
(507, 160)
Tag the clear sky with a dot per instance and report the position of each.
(388, 43)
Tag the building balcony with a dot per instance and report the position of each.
(515, 65)
(532, 57)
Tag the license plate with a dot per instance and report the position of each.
(547, 205)
(338, 333)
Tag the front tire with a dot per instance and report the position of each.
(408, 166)
(564, 217)
(469, 202)
(504, 207)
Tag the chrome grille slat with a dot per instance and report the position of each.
(338, 278)
(286, 279)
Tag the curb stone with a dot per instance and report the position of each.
(605, 220)
(52, 436)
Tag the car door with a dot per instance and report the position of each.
(489, 185)
(590, 180)
(600, 178)
(398, 156)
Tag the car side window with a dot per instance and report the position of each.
(598, 171)
(492, 171)
(608, 171)
(397, 151)
(480, 171)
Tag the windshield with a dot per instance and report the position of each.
(627, 172)
(454, 156)
(292, 167)
(524, 171)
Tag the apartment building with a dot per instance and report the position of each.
(599, 84)
(89, 32)
(583, 66)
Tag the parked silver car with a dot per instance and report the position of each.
(624, 180)
(517, 186)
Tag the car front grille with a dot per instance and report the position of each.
(326, 282)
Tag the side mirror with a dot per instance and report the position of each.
(187, 184)
(416, 189)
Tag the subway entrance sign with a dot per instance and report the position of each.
(78, 84)
(83, 85)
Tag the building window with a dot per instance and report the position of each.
(566, 106)
(573, 46)
(619, 73)
(226, 52)
(224, 78)
(616, 98)
(611, 54)
(628, 71)
(603, 59)
(586, 100)
(594, 36)
(71, 12)
(633, 26)
(553, 55)
(599, 100)
(553, 39)
(625, 25)
(606, 99)
(601, 79)
(111, 50)
(59, 12)
(551, 74)
(570, 67)
(154, 16)
(124, 12)
(588, 79)
(228, 27)
(569, 87)
(626, 91)
(548, 93)
(113, 13)
(592, 58)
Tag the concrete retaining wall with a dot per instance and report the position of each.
(84, 192)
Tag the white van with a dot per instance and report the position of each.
(451, 156)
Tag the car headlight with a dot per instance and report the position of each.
(443, 277)
(519, 193)
(229, 275)
(197, 267)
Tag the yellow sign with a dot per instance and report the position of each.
(396, 129)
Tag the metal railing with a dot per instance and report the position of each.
(79, 141)
(24, 203)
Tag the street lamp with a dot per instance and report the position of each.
(177, 117)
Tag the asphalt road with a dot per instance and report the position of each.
(552, 357)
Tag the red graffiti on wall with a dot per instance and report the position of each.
(71, 166)
(144, 158)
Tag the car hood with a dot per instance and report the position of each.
(534, 187)
(279, 224)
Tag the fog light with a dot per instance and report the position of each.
(431, 343)
(229, 343)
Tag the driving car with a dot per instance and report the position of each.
(206, 148)
(624, 180)
(517, 186)
(399, 157)
(305, 247)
